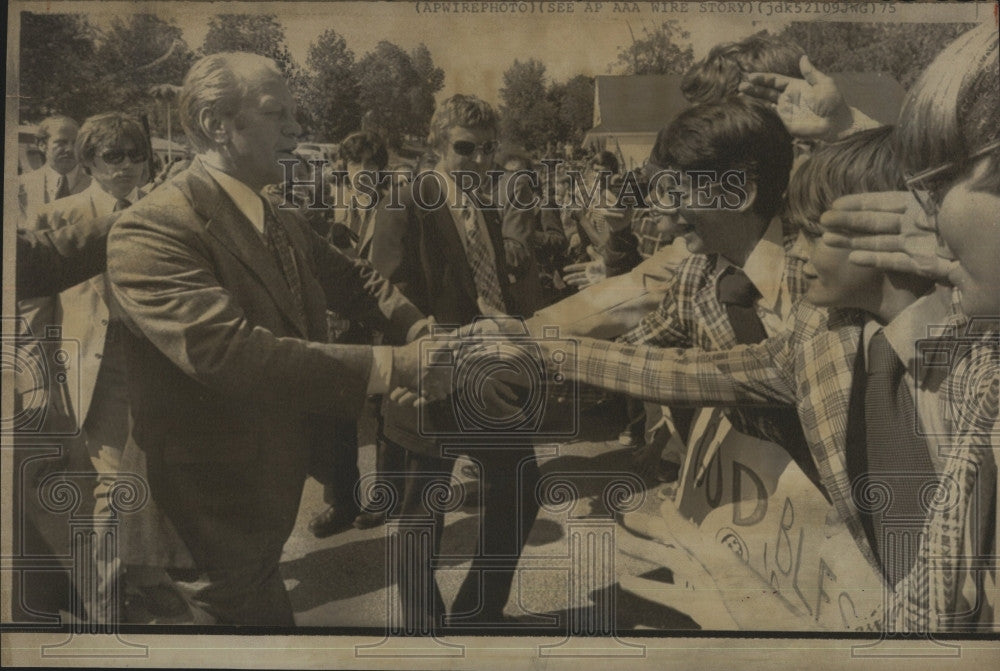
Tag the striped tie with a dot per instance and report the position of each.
(281, 248)
(484, 271)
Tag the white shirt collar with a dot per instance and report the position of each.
(765, 266)
(52, 183)
(104, 202)
(247, 201)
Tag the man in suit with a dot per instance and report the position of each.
(112, 150)
(225, 298)
(61, 175)
(879, 428)
(446, 254)
(364, 155)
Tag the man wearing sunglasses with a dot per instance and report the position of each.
(446, 254)
(112, 149)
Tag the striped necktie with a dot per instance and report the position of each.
(484, 271)
(281, 248)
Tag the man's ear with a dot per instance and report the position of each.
(748, 197)
(42, 144)
(213, 126)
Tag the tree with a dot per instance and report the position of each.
(331, 93)
(575, 103)
(57, 67)
(386, 84)
(259, 34)
(431, 80)
(136, 54)
(527, 114)
(904, 50)
(657, 52)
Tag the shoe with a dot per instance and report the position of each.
(332, 521)
(369, 519)
(147, 604)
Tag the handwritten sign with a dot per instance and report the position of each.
(749, 497)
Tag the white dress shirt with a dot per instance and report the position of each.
(765, 267)
(52, 180)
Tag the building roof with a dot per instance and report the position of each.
(647, 103)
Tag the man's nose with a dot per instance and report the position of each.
(800, 249)
(293, 129)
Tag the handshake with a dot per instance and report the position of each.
(500, 379)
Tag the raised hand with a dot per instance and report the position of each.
(811, 108)
(888, 231)
(582, 275)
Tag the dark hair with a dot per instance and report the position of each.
(110, 130)
(953, 110)
(732, 134)
(365, 145)
(863, 162)
(718, 75)
(606, 160)
(460, 111)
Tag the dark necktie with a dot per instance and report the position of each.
(62, 187)
(121, 204)
(484, 272)
(281, 248)
(899, 466)
(738, 294)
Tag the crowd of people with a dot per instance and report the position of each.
(780, 255)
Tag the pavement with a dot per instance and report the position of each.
(568, 577)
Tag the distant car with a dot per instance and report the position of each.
(311, 151)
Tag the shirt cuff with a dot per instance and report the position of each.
(420, 328)
(381, 374)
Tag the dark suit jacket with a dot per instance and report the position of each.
(51, 261)
(221, 366)
(420, 251)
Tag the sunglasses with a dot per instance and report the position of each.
(926, 185)
(466, 148)
(116, 156)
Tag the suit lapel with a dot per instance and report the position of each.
(828, 370)
(443, 221)
(711, 316)
(225, 222)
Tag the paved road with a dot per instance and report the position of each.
(568, 573)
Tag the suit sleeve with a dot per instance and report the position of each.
(748, 375)
(395, 249)
(164, 279)
(355, 289)
(50, 261)
(664, 326)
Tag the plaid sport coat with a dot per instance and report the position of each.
(691, 314)
(812, 368)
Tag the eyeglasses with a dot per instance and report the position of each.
(466, 148)
(116, 156)
(927, 184)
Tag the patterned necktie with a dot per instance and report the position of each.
(899, 464)
(281, 248)
(62, 187)
(484, 271)
(738, 294)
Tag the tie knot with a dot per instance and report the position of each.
(882, 359)
(735, 288)
(121, 204)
